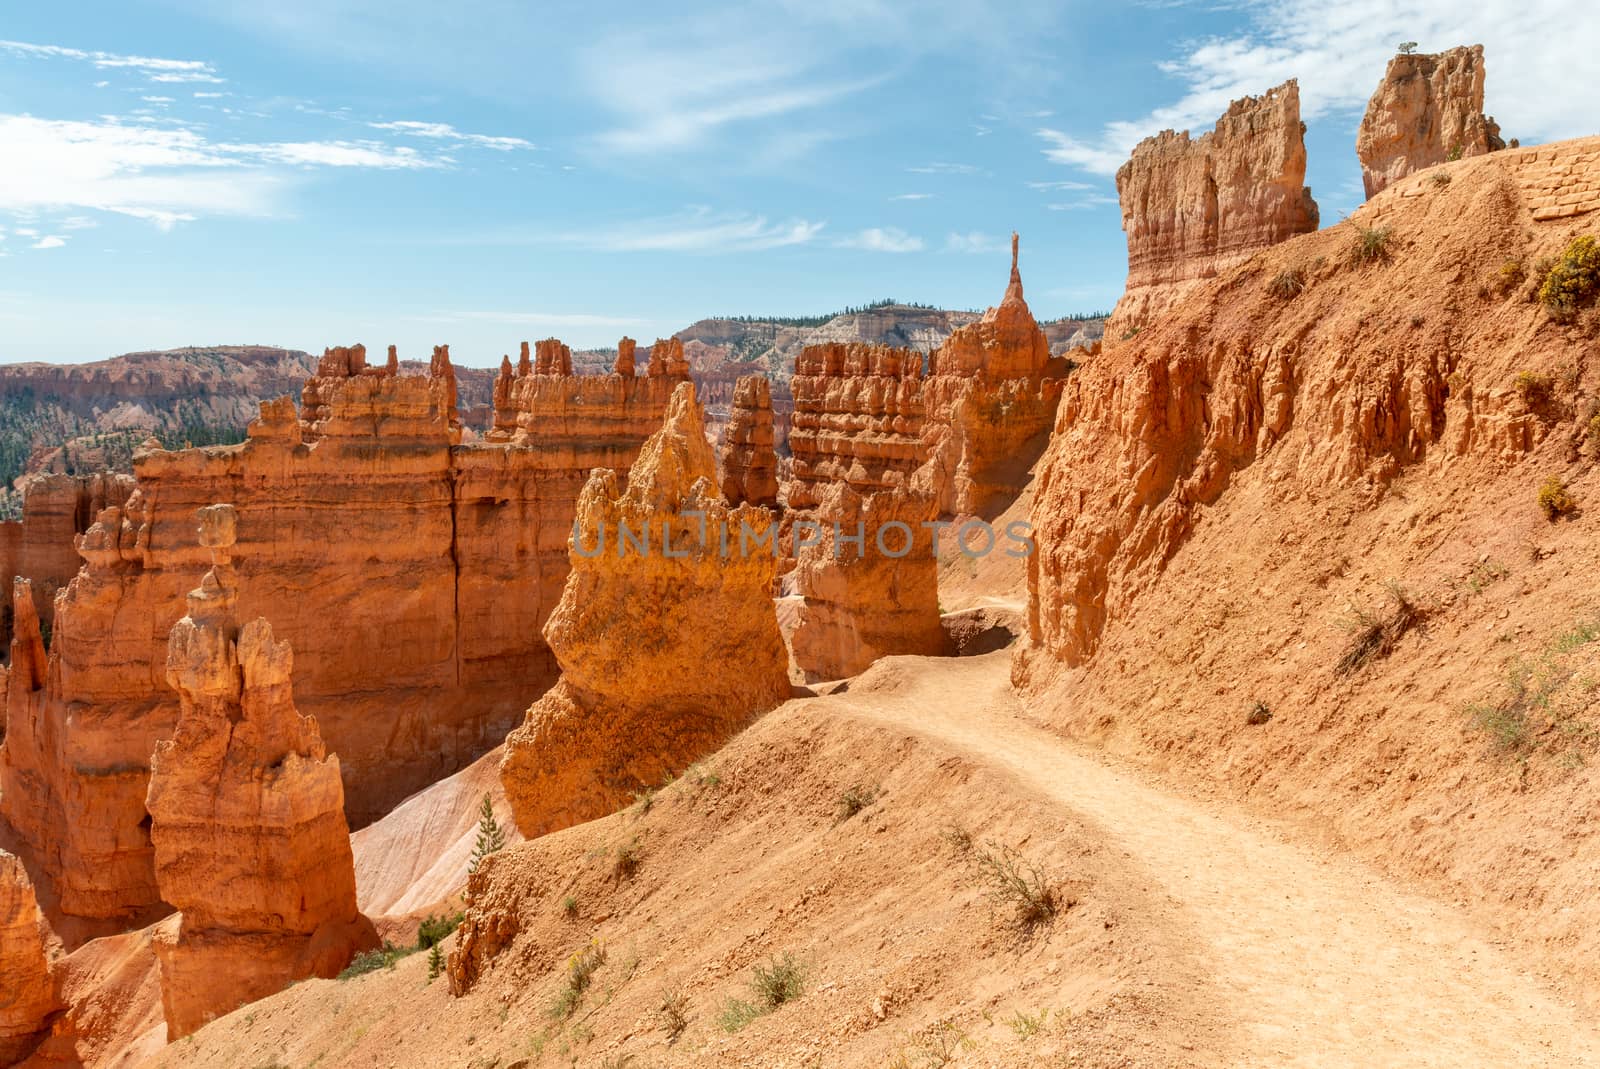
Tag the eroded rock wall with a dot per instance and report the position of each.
(1192, 207)
(665, 649)
(413, 576)
(27, 996)
(1428, 109)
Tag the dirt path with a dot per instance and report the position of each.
(1319, 960)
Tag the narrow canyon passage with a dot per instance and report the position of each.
(1321, 961)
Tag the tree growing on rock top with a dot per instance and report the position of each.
(491, 837)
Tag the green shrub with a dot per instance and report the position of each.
(853, 801)
(372, 960)
(777, 983)
(1012, 880)
(435, 930)
(581, 968)
(1555, 500)
(1536, 391)
(1511, 275)
(491, 838)
(1572, 280)
(1371, 244)
(435, 962)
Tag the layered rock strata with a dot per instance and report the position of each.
(858, 419)
(42, 546)
(412, 575)
(247, 810)
(870, 582)
(749, 462)
(1192, 207)
(990, 397)
(1427, 110)
(27, 995)
(668, 642)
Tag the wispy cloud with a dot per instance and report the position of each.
(369, 154)
(1086, 203)
(1053, 187)
(912, 196)
(50, 241)
(946, 168)
(439, 131)
(154, 69)
(699, 230)
(1338, 51)
(882, 239)
(974, 241)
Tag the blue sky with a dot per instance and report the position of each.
(308, 174)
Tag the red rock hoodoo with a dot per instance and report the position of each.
(247, 810)
(990, 397)
(27, 997)
(1428, 109)
(42, 546)
(749, 461)
(871, 582)
(1194, 207)
(667, 645)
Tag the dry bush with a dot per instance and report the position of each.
(1510, 276)
(628, 857)
(853, 801)
(1555, 500)
(581, 968)
(1259, 713)
(1374, 636)
(775, 984)
(673, 1014)
(1538, 392)
(1012, 880)
(1288, 283)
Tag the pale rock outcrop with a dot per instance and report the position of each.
(665, 651)
(27, 994)
(870, 582)
(247, 811)
(858, 418)
(990, 398)
(1192, 207)
(1428, 109)
(749, 461)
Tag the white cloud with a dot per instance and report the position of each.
(209, 96)
(156, 100)
(156, 70)
(883, 239)
(49, 242)
(912, 196)
(78, 222)
(440, 131)
(1051, 187)
(163, 174)
(1338, 51)
(974, 241)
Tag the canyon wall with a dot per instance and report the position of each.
(413, 576)
(1428, 109)
(1192, 207)
(247, 810)
(871, 598)
(666, 648)
(749, 462)
(858, 419)
(990, 398)
(27, 995)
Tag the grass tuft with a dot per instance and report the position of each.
(853, 801)
(1370, 245)
(1374, 636)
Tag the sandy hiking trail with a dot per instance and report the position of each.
(1318, 960)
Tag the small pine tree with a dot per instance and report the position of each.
(435, 962)
(491, 838)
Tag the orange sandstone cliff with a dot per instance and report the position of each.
(251, 843)
(41, 546)
(1321, 509)
(1428, 109)
(1193, 207)
(665, 650)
